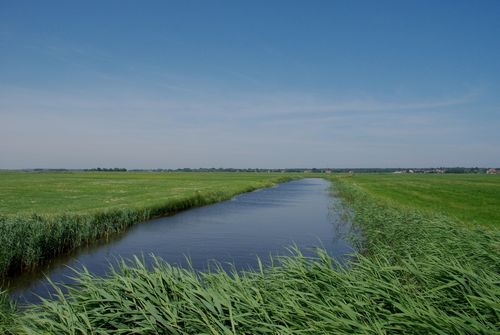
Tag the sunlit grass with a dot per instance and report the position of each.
(48, 193)
(472, 199)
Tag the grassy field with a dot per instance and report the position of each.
(45, 214)
(87, 192)
(419, 271)
(472, 199)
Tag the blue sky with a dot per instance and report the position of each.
(145, 84)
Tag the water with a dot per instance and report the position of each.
(254, 224)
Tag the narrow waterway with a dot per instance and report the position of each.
(251, 225)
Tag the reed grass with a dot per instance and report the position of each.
(417, 274)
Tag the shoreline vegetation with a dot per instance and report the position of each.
(29, 240)
(419, 272)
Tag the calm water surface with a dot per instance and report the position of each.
(254, 224)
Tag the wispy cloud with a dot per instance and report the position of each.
(257, 107)
(287, 109)
(127, 126)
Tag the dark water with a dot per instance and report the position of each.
(254, 224)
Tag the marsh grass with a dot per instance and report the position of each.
(418, 274)
(7, 314)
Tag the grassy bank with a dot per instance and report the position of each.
(420, 273)
(471, 198)
(45, 214)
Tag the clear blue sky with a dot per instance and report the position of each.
(145, 84)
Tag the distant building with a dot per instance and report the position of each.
(492, 171)
(328, 171)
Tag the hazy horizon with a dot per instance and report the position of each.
(310, 169)
(329, 84)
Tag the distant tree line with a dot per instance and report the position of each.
(330, 170)
(107, 169)
(465, 170)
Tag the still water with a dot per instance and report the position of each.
(237, 231)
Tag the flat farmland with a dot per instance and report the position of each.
(86, 192)
(472, 199)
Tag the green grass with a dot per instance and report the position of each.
(46, 214)
(85, 192)
(472, 199)
(419, 273)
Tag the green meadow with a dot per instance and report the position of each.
(470, 198)
(52, 193)
(428, 263)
